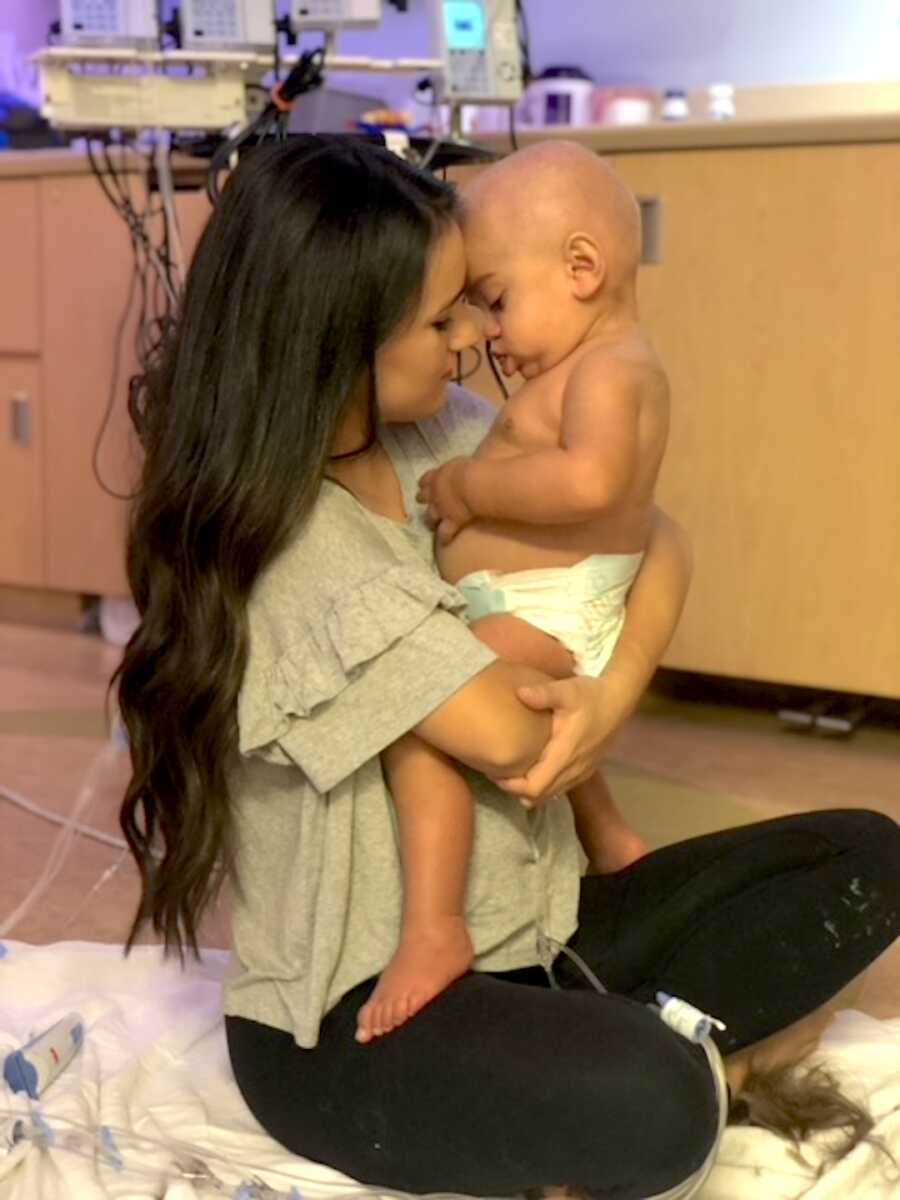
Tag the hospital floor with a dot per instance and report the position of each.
(681, 767)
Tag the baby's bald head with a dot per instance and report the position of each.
(535, 199)
(552, 247)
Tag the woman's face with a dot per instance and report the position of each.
(413, 366)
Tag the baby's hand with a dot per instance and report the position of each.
(441, 490)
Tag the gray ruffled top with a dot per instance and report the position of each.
(354, 639)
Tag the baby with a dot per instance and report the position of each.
(544, 527)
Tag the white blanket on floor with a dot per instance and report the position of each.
(153, 1074)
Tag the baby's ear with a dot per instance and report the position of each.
(585, 265)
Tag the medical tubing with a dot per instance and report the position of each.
(696, 1031)
(198, 1157)
(71, 829)
(35, 810)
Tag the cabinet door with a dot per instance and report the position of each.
(776, 307)
(20, 330)
(21, 522)
(87, 268)
(87, 265)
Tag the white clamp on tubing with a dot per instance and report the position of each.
(695, 1025)
(690, 1022)
(33, 1068)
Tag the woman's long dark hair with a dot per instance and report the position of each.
(315, 256)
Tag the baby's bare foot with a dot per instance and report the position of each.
(617, 848)
(427, 960)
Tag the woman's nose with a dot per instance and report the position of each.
(467, 329)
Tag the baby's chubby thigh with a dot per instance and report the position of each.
(514, 640)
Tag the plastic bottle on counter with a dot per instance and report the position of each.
(721, 101)
(675, 105)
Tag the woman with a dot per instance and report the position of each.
(293, 627)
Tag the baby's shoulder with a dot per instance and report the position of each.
(629, 368)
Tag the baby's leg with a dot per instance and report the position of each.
(514, 640)
(435, 818)
(608, 840)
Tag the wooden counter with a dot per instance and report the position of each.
(832, 130)
(42, 164)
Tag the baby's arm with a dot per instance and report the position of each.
(588, 473)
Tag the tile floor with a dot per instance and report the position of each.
(680, 767)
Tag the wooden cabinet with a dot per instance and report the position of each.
(86, 259)
(775, 305)
(65, 279)
(21, 472)
(20, 328)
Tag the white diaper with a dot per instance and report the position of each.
(582, 606)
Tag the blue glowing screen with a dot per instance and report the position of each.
(464, 22)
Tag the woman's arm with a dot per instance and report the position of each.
(654, 606)
(588, 712)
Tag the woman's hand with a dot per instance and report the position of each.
(586, 714)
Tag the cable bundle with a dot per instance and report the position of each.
(305, 76)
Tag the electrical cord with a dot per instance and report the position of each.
(113, 387)
(134, 222)
(461, 376)
(492, 362)
(524, 42)
(525, 59)
(153, 279)
(307, 74)
(513, 140)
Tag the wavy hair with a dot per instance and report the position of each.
(316, 254)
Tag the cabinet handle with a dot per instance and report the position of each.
(651, 228)
(20, 418)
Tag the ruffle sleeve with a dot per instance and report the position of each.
(381, 656)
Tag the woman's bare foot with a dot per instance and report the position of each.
(427, 960)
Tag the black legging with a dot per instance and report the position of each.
(497, 1087)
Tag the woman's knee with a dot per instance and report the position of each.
(666, 1113)
(854, 827)
(874, 837)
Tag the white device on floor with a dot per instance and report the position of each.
(109, 23)
(335, 14)
(33, 1068)
(479, 42)
(227, 24)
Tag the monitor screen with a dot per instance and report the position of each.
(464, 22)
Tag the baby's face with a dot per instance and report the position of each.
(525, 300)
